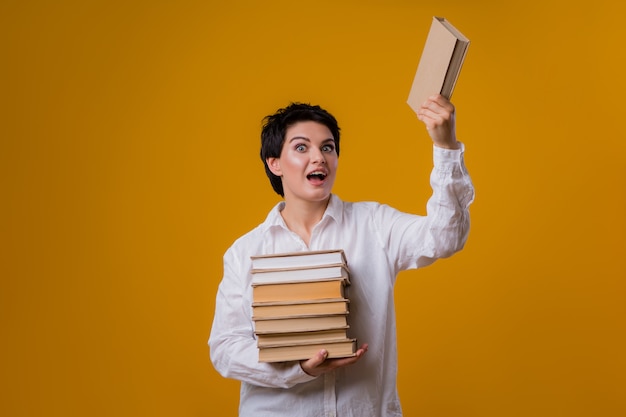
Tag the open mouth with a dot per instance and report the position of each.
(317, 176)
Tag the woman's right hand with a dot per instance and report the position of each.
(319, 365)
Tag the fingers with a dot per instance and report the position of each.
(436, 109)
(319, 358)
(319, 364)
(337, 363)
(311, 366)
(331, 364)
(438, 114)
(440, 101)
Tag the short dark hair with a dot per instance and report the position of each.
(275, 128)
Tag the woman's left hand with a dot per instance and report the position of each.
(438, 114)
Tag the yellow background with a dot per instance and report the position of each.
(128, 164)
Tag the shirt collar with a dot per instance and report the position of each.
(274, 219)
(334, 209)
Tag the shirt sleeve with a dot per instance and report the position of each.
(414, 241)
(232, 343)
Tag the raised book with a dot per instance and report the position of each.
(304, 259)
(335, 349)
(268, 276)
(295, 291)
(299, 308)
(440, 64)
(300, 324)
(281, 339)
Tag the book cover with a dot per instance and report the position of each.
(440, 64)
(340, 349)
(299, 308)
(292, 338)
(268, 276)
(299, 259)
(306, 290)
(300, 324)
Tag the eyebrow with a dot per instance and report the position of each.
(309, 140)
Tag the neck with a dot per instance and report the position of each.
(302, 216)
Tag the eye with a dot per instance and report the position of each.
(328, 148)
(300, 148)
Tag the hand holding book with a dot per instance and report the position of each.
(319, 365)
(437, 113)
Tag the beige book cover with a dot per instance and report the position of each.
(295, 291)
(305, 259)
(440, 63)
(300, 324)
(294, 338)
(277, 276)
(300, 308)
(336, 349)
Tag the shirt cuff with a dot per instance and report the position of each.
(297, 376)
(448, 156)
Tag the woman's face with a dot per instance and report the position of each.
(307, 163)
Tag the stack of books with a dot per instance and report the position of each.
(299, 305)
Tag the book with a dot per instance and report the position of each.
(268, 276)
(440, 64)
(299, 305)
(292, 338)
(300, 324)
(294, 291)
(336, 349)
(299, 308)
(299, 259)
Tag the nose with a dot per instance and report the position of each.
(319, 157)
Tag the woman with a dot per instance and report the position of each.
(300, 150)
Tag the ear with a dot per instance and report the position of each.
(274, 166)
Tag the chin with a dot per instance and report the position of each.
(320, 197)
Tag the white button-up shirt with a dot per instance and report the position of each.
(379, 242)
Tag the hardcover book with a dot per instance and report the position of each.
(269, 276)
(440, 64)
(263, 310)
(305, 259)
(335, 349)
(294, 338)
(300, 324)
(294, 291)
